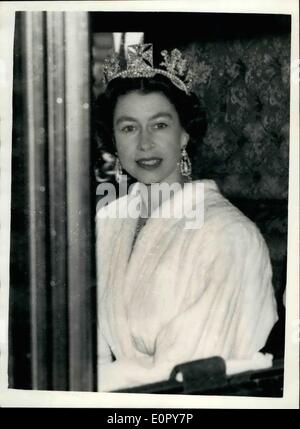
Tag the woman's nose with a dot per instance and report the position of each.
(145, 142)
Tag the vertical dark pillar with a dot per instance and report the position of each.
(35, 138)
(58, 282)
(19, 296)
(79, 201)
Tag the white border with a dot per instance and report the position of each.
(21, 398)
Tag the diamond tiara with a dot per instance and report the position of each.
(140, 64)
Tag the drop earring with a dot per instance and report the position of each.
(185, 164)
(118, 170)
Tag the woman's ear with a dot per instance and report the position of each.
(185, 139)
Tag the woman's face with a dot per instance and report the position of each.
(149, 137)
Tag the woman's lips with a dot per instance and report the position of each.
(149, 163)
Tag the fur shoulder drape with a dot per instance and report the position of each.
(183, 293)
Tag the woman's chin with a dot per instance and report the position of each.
(153, 177)
(148, 179)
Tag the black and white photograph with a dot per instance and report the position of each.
(149, 203)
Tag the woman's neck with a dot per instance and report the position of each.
(156, 194)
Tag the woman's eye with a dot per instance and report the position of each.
(160, 125)
(128, 129)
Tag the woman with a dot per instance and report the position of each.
(169, 291)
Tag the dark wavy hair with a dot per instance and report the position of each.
(190, 111)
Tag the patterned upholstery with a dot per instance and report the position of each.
(246, 147)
